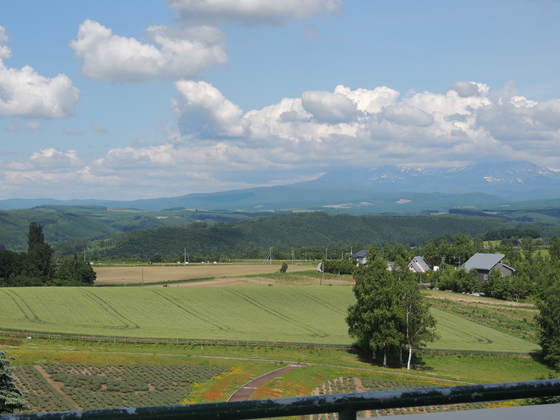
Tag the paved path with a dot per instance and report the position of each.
(246, 391)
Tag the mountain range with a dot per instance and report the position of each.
(365, 190)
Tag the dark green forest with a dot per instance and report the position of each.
(252, 238)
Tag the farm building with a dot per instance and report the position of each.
(484, 263)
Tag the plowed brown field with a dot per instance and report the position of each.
(156, 273)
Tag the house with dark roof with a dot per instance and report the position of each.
(360, 256)
(418, 265)
(484, 263)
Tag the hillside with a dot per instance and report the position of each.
(300, 230)
(66, 223)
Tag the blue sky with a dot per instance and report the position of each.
(146, 99)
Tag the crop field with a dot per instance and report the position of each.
(63, 387)
(306, 314)
(109, 275)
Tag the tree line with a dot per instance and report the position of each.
(309, 234)
(35, 267)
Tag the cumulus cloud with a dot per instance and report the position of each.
(329, 107)
(26, 93)
(252, 11)
(182, 53)
(202, 110)
(52, 158)
(465, 89)
(378, 123)
(214, 145)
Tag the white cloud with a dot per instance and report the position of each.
(26, 93)
(253, 11)
(34, 125)
(98, 127)
(187, 52)
(53, 159)
(202, 110)
(112, 58)
(215, 146)
(5, 52)
(329, 107)
(466, 89)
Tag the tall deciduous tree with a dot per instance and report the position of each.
(11, 398)
(375, 320)
(390, 311)
(420, 325)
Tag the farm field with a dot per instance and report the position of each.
(63, 375)
(117, 275)
(306, 314)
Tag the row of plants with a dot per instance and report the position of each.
(100, 387)
(348, 384)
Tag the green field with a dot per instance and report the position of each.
(306, 314)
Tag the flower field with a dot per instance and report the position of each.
(295, 314)
(84, 387)
(346, 384)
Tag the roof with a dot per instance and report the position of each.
(483, 261)
(359, 254)
(418, 265)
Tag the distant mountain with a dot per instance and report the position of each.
(363, 190)
(512, 180)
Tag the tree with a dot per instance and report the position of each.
(35, 236)
(390, 312)
(526, 244)
(554, 248)
(420, 324)
(284, 267)
(74, 272)
(549, 323)
(11, 398)
(37, 263)
(375, 321)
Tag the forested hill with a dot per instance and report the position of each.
(300, 230)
